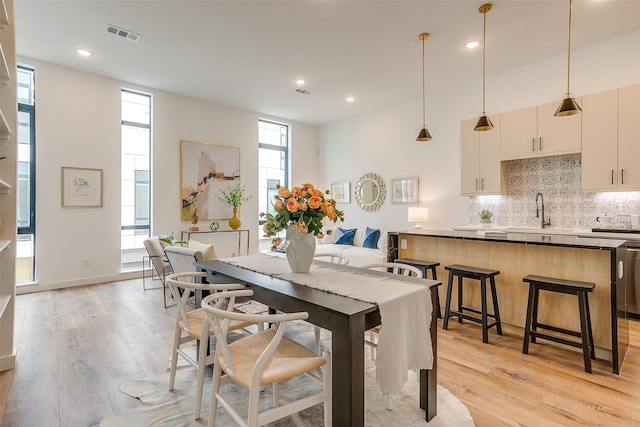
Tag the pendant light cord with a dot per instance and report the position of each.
(484, 50)
(424, 114)
(569, 49)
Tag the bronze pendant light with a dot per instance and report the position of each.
(424, 134)
(568, 106)
(483, 122)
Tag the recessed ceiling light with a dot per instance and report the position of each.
(350, 99)
(83, 52)
(300, 82)
(472, 45)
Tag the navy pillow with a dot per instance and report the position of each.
(345, 236)
(371, 237)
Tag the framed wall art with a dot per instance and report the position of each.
(81, 187)
(341, 192)
(205, 169)
(404, 190)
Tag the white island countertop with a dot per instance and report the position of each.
(585, 233)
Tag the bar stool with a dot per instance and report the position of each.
(424, 266)
(481, 274)
(573, 287)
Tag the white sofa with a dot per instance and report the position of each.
(356, 254)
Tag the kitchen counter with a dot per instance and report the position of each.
(586, 257)
(585, 234)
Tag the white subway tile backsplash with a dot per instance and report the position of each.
(558, 178)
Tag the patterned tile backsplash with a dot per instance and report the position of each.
(558, 178)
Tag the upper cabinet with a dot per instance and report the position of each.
(536, 132)
(611, 140)
(480, 160)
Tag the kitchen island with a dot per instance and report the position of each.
(572, 257)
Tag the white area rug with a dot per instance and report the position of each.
(160, 407)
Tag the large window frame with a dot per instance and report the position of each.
(136, 218)
(26, 176)
(267, 183)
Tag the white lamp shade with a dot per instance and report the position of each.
(418, 214)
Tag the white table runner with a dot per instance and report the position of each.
(405, 310)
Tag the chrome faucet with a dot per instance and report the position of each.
(543, 223)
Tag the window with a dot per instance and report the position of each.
(273, 161)
(26, 182)
(135, 177)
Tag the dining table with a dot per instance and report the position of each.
(341, 299)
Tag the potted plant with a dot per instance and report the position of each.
(234, 196)
(485, 218)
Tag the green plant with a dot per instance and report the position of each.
(235, 195)
(486, 214)
(171, 240)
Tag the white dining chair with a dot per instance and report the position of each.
(264, 358)
(373, 334)
(192, 325)
(336, 259)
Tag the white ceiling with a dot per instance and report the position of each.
(248, 53)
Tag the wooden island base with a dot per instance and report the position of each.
(517, 259)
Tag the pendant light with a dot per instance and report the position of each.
(424, 134)
(568, 106)
(483, 122)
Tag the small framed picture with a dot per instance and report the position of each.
(81, 187)
(341, 192)
(404, 191)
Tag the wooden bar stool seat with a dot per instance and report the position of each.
(425, 266)
(480, 274)
(573, 287)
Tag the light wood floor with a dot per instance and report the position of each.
(76, 345)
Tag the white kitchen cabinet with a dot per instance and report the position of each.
(611, 140)
(536, 132)
(481, 170)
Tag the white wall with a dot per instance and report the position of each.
(383, 141)
(78, 124)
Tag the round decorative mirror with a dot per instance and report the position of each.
(370, 192)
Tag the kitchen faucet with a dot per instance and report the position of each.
(543, 223)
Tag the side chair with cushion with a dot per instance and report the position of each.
(265, 358)
(192, 325)
(159, 264)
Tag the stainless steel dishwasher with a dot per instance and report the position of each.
(633, 279)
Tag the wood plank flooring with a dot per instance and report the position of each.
(75, 346)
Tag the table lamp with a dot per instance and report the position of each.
(418, 215)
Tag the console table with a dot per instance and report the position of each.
(186, 235)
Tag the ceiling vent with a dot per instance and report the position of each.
(120, 32)
(302, 91)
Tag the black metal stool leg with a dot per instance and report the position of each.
(483, 302)
(460, 291)
(527, 324)
(447, 304)
(496, 309)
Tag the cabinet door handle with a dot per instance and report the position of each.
(533, 144)
(476, 184)
(612, 172)
(482, 184)
(540, 144)
(622, 176)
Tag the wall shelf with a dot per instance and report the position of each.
(5, 131)
(4, 189)
(4, 16)
(4, 302)
(5, 75)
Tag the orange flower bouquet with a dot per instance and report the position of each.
(302, 208)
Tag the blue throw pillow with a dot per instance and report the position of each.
(345, 236)
(371, 237)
